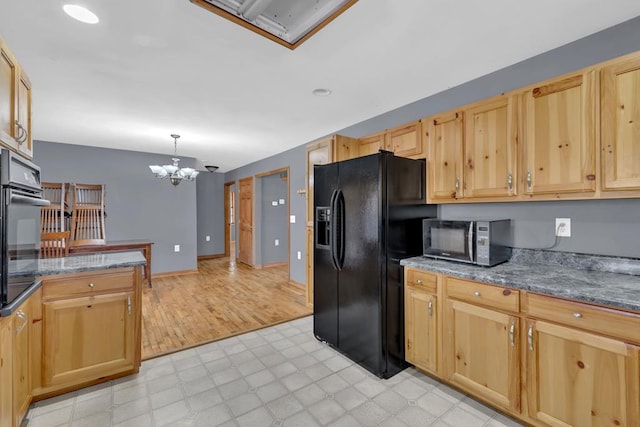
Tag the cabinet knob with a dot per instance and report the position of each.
(91, 285)
(577, 315)
(477, 293)
(419, 281)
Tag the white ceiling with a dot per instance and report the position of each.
(152, 68)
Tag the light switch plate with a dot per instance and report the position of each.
(274, 203)
(176, 248)
(292, 219)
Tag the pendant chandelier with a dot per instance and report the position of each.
(174, 172)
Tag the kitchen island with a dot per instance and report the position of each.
(78, 326)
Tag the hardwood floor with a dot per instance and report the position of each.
(221, 300)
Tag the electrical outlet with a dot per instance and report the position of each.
(176, 248)
(299, 255)
(277, 242)
(207, 238)
(563, 227)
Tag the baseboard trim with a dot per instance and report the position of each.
(205, 257)
(275, 264)
(302, 285)
(173, 273)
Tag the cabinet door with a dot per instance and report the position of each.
(406, 140)
(483, 353)
(490, 146)
(309, 265)
(88, 338)
(579, 379)
(21, 361)
(6, 371)
(370, 144)
(318, 153)
(444, 141)
(559, 133)
(8, 78)
(420, 329)
(620, 126)
(23, 113)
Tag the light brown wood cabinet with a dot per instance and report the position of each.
(370, 144)
(559, 123)
(15, 104)
(22, 354)
(6, 371)
(620, 125)
(444, 136)
(490, 148)
(545, 360)
(310, 265)
(91, 328)
(421, 320)
(406, 140)
(482, 345)
(328, 150)
(581, 369)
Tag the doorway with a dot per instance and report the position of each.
(244, 228)
(230, 220)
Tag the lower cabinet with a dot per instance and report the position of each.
(91, 326)
(547, 361)
(483, 353)
(22, 354)
(421, 345)
(87, 338)
(577, 378)
(6, 371)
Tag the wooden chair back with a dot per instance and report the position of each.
(87, 215)
(54, 245)
(52, 217)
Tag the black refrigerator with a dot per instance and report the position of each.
(367, 217)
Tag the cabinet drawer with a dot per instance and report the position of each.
(595, 319)
(487, 295)
(87, 284)
(422, 280)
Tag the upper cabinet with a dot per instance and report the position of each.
(490, 148)
(444, 137)
(15, 104)
(325, 151)
(559, 135)
(406, 140)
(370, 144)
(620, 125)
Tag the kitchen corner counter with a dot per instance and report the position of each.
(89, 262)
(615, 290)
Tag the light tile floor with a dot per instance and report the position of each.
(278, 376)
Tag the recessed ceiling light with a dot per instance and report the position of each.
(80, 13)
(321, 92)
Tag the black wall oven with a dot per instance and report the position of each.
(20, 202)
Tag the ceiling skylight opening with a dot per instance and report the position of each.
(80, 13)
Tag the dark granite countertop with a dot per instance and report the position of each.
(89, 262)
(573, 280)
(70, 264)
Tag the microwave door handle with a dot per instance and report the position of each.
(25, 200)
(470, 239)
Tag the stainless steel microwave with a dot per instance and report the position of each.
(481, 242)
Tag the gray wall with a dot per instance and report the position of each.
(138, 205)
(602, 227)
(210, 199)
(295, 160)
(274, 219)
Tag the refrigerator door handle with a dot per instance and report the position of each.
(333, 229)
(340, 236)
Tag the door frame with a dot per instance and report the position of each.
(252, 255)
(273, 172)
(227, 225)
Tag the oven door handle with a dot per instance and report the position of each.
(26, 200)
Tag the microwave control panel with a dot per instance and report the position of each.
(482, 243)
